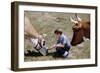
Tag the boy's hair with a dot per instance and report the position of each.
(58, 31)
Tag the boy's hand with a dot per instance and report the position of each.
(53, 46)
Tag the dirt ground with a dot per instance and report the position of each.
(47, 22)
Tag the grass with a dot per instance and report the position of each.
(47, 22)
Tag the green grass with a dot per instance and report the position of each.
(46, 22)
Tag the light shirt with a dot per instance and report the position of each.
(63, 40)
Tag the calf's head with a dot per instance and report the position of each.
(78, 31)
(39, 42)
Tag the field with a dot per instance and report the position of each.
(47, 22)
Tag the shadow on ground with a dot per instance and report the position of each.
(37, 54)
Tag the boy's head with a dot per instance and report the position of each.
(58, 32)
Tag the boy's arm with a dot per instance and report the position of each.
(57, 45)
(60, 45)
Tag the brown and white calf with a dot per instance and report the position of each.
(81, 29)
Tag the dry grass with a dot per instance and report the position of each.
(46, 22)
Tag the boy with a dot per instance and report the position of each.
(63, 44)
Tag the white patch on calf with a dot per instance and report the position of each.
(34, 41)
